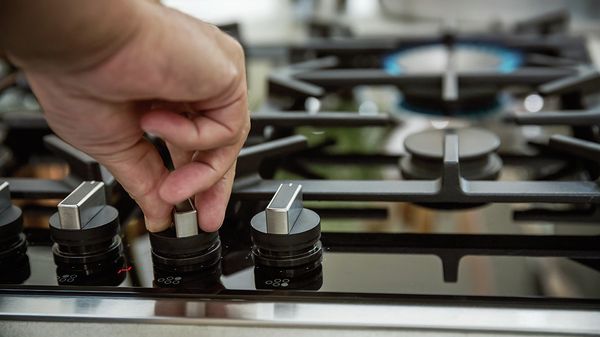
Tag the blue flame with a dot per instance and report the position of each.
(510, 59)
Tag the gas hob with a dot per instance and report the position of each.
(477, 189)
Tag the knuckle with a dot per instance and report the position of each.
(246, 127)
(236, 53)
(235, 47)
(242, 130)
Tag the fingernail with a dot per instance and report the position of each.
(152, 133)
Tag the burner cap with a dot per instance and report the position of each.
(472, 142)
(476, 154)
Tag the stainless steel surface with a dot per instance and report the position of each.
(284, 209)
(298, 314)
(85, 329)
(79, 207)
(4, 196)
(185, 217)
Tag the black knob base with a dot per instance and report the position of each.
(92, 255)
(13, 247)
(15, 262)
(288, 259)
(301, 246)
(102, 273)
(171, 254)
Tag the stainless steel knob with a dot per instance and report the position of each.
(11, 219)
(185, 217)
(79, 207)
(284, 209)
(286, 234)
(5, 202)
(184, 248)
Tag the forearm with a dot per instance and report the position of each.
(43, 34)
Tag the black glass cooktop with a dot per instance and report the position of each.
(346, 266)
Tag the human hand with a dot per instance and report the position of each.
(172, 76)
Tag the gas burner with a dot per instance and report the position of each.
(476, 154)
(474, 102)
(433, 58)
(462, 75)
(461, 58)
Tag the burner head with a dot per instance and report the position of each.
(478, 160)
(472, 102)
(468, 57)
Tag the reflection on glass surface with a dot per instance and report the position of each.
(104, 273)
(308, 277)
(203, 280)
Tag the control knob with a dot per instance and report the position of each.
(184, 248)
(13, 245)
(87, 248)
(287, 235)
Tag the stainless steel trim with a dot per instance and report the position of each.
(5, 201)
(79, 207)
(185, 218)
(298, 314)
(284, 209)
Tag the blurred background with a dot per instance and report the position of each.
(265, 26)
